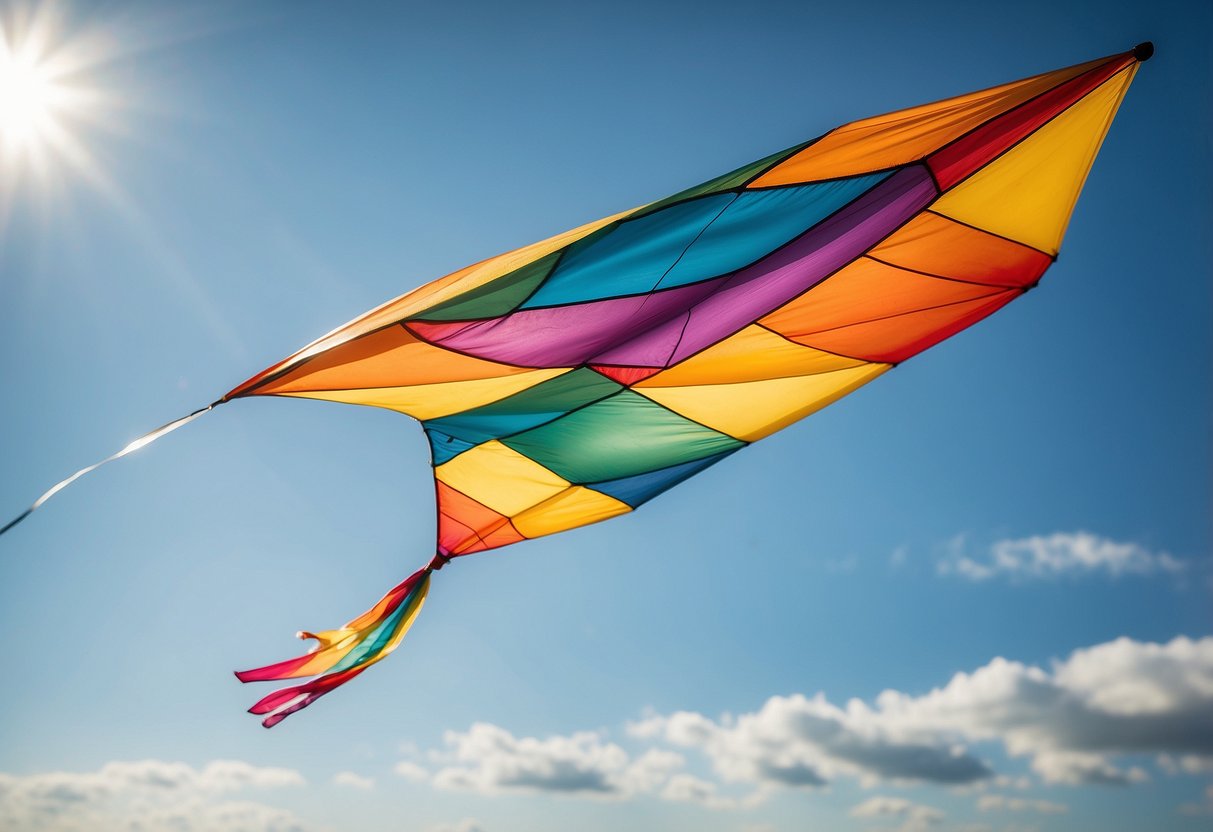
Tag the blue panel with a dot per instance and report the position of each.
(694, 241)
(444, 448)
(760, 222)
(644, 487)
(631, 258)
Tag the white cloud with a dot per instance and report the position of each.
(354, 781)
(465, 825)
(412, 772)
(796, 741)
(686, 788)
(1084, 720)
(148, 794)
(1055, 555)
(1114, 699)
(1003, 803)
(491, 760)
(1185, 763)
(914, 816)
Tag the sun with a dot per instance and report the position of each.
(54, 102)
(30, 99)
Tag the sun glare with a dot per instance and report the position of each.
(55, 98)
(29, 98)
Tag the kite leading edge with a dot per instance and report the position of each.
(575, 379)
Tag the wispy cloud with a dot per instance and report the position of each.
(1202, 807)
(913, 816)
(465, 825)
(1004, 803)
(1054, 556)
(353, 781)
(148, 794)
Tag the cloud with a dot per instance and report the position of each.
(354, 781)
(1185, 763)
(1205, 807)
(148, 794)
(1055, 555)
(491, 760)
(1083, 720)
(465, 825)
(412, 772)
(795, 741)
(1003, 803)
(914, 816)
(1114, 699)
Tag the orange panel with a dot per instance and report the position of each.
(431, 294)
(464, 525)
(935, 244)
(864, 291)
(391, 357)
(501, 535)
(895, 339)
(907, 135)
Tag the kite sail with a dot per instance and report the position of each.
(573, 380)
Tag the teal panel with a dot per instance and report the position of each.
(759, 222)
(631, 258)
(621, 436)
(533, 406)
(694, 241)
(444, 448)
(733, 179)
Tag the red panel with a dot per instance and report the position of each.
(626, 376)
(956, 161)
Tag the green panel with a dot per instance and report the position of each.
(530, 408)
(726, 182)
(622, 436)
(497, 297)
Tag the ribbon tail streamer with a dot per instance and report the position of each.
(341, 655)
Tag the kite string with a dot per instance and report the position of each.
(141, 442)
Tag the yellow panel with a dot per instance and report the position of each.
(576, 506)
(502, 479)
(754, 409)
(429, 401)
(1028, 193)
(907, 135)
(753, 354)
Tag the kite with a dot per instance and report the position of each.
(575, 379)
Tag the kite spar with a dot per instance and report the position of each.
(575, 379)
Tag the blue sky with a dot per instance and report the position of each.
(268, 172)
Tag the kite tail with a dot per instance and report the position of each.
(340, 655)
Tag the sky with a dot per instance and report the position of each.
(974, 595)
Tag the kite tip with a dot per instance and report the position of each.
(1143, 51)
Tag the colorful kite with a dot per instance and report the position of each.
(575, 379)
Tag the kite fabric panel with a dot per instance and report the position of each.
(575, 379)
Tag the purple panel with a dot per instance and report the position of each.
(564, 336)
(657, 329)
(758, 290)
